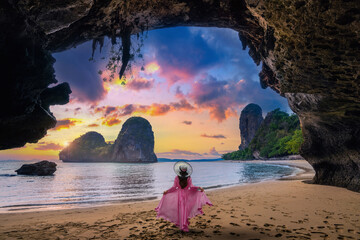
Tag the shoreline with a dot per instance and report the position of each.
(302, 167)
(264, 210)
(306, 173)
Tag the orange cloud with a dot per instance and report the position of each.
(48, 146)
(65, 123)
(111, 121)
(155, 109)
(93, 125)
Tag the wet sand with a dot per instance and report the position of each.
(289, 209)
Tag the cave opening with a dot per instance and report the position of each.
(191, 83)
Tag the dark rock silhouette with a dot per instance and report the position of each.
(135, 143)
(307, 56)
(43, 168)
(250, 121)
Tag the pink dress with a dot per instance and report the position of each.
(178, 205)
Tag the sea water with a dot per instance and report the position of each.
(92, 184)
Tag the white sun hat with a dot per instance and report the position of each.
(182, 166)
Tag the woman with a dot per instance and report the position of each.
(183, 200)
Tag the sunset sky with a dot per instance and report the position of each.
(191, 84)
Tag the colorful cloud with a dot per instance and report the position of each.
(218, 136)
(177, 64)
(213, 151)
(65, 123)
(180, 152)
(187, 122)
(111, 114)
(138, 84)
(111, 121)
(152, 67)
(48, 146)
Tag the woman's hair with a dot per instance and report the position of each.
(183, 178)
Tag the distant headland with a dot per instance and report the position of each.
(134, 144)
(277, 136)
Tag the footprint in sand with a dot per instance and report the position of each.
(268, 225)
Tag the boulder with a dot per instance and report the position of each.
(43, 168)
(250, 121)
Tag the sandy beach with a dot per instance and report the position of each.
(287, 209)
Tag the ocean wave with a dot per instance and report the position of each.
(8, 175)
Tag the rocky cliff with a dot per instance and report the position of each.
(309, 52)
(278, 135)
(90, 147)
(250, 120)
(135, 143)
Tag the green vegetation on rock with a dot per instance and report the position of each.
(279, 135)
(245, 154)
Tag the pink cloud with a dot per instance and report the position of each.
(213, 151)
(220, 98)
(111, 114)
(140, 84)
(178, 152)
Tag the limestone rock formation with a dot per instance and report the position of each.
(90, 147)
(309, 52)
(43, 168)
(135, 143)
(250, 120)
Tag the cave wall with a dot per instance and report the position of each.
(315, 64)
(27, 71)
(309, 52)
